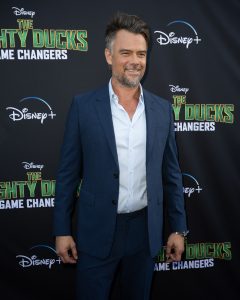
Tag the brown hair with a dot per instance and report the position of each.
(130, 23)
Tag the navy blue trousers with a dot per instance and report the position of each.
(129, 255)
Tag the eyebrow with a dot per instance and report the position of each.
(128, 50)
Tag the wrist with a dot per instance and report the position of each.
(182, 233)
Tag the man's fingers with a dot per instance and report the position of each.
(176, 257)
(66, 249)
(66, 258)
(168, 252)
(74, 252)
(175, 248)
(168, 249)
(173, 254)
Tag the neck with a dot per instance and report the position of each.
(125, 93)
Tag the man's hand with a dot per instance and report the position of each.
(175, 247)
(66, 249)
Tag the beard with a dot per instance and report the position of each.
(124, 80)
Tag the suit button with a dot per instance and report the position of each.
(116, 175)
(114, 202)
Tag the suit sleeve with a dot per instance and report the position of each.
(69, 174)
(172, 182)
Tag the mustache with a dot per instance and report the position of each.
(135, 67)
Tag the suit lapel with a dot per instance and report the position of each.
(105, 116)
(151, 120)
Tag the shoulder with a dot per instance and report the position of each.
(157, 100)
(87, 97)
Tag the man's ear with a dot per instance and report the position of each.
(108, 56)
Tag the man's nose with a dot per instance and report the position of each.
(135, 59)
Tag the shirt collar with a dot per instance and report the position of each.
(114, 97)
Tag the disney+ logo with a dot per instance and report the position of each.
(37, 259)
(172, 38)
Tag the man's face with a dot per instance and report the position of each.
(127, 58)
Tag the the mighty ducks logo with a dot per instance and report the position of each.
(196, 256)
(32, 192)
(198, 117)
(29, 43)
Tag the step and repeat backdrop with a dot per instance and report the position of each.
(50, 51)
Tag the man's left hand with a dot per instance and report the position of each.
(175, 247)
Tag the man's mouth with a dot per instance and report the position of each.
(133, 71)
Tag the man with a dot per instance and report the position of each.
(119, 142)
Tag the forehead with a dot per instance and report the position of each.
(128, 40)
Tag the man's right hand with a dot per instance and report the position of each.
(66, 249)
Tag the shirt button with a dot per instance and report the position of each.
(116, 175)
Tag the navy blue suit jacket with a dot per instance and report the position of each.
(89, 154)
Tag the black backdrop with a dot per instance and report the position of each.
(194, 63)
